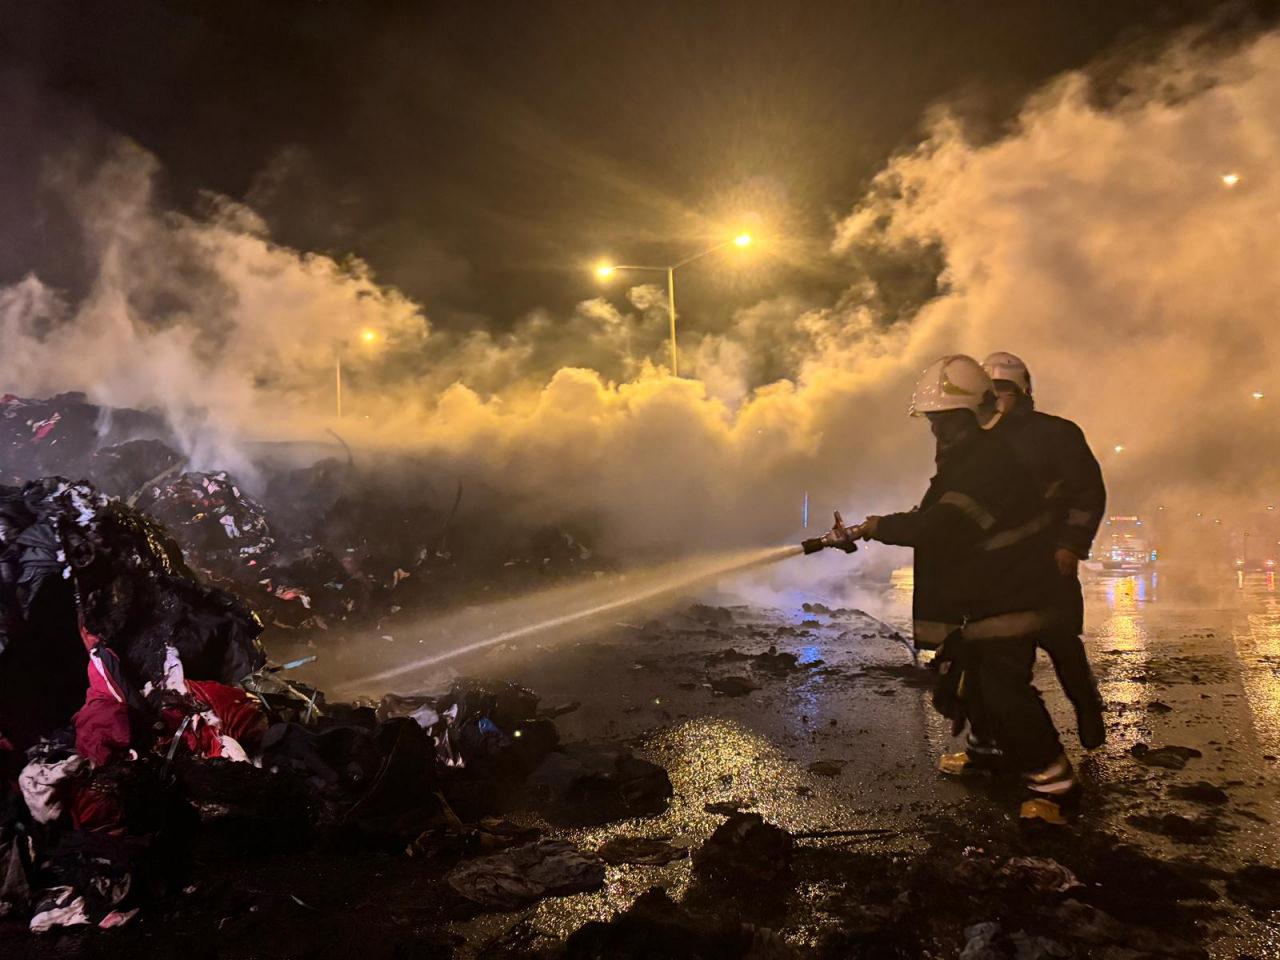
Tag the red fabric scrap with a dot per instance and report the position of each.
(43, 428)
(102, 729)
(96, 807)
(102, 724)
(239, 716)
(199, 737)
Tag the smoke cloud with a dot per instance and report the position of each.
(1101, 244)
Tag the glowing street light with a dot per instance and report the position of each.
(368, 336)
(1258, 394)
(605, 270)
(1119, 448)
(1230, 179)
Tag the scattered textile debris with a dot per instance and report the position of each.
(649, 851)
(526, 874)
(733, 686)
(1169, 757)
(745, 850)
(583, 784)
(1041, 873)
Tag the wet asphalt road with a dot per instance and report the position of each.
(1183, 660)
(1180, 659)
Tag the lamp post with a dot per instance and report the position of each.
(369, 337)
(606, 270)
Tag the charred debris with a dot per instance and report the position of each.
(138, 708)
(319, 540)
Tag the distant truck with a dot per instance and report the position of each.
(1125, 545)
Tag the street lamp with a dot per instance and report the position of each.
(368, 336)
(606, 270)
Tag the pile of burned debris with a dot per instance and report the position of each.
(137, 708)
(313, 543)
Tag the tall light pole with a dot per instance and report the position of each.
(368, 336)
(605, 270)
(337, 378)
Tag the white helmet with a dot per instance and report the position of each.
(1005, 366)
(954, 382)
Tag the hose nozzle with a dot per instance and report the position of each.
(836, 538)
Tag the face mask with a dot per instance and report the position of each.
(951, 428)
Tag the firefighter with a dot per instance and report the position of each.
(984, 583)
(1056, 451)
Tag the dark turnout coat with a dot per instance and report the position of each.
(981, 537)
(1056, 451)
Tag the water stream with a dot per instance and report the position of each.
(551, 615)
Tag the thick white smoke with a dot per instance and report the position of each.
(1128, 255)
(1104, 246)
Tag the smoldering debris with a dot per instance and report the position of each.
(139, 713)
(308, 545)
(61, 434)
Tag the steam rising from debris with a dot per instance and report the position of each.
(1104, 246)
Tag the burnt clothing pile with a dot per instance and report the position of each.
(89, 584)
(137, 707)
(128, 470)
(311, 545)
(101, 625)
(298, 580)
(498, 753)
(227, 535)
(59, 435)
(213, 519)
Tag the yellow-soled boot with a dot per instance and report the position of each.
(957, 764)
(1043, 809)
(1052, 791)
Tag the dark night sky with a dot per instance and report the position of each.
(477, 154)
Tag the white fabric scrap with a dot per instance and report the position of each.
(39, 784)
(231, 750)
(59, 907)
(174, 677)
